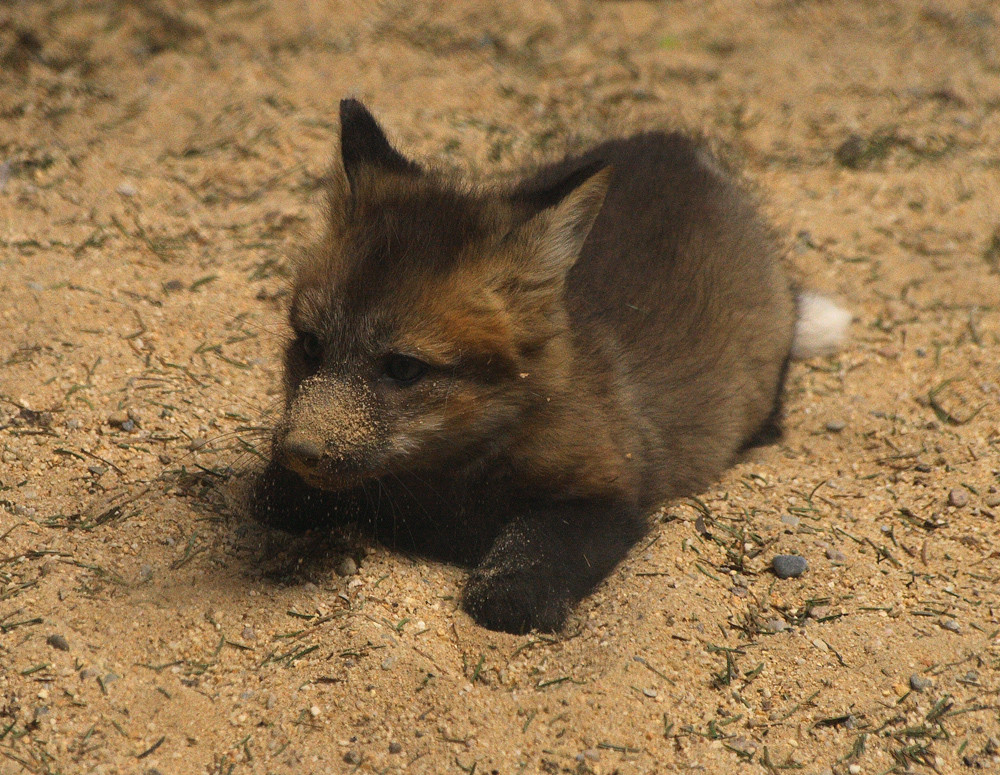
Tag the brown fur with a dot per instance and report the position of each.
(604, 336)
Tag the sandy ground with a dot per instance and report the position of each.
(159, 162)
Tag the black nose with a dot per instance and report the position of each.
(302, 449)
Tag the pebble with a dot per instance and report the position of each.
(854, 769)
(118, 418)
(790, 519)
(951, 625)
(958, 498)
(836, 426)
(789, 566)
(591, 753)
(352, 757)
(776, 625)
(347, 567)
(145, 572)
(395, 747)
(248, 633)
(919, 682)
(993, 501)
(97, 470)
(836, 556)
(126, 189)
(388, 663)
(58, 642)
(128, 425)
(651, 693)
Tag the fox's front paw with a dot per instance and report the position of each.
(515, 601)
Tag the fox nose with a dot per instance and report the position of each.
(302, 449)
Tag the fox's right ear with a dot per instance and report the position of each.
(364, 144)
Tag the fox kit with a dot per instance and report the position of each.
(513, 378)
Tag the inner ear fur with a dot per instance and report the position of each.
(557, 233)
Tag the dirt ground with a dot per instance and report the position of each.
(160, 162)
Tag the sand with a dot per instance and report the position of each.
(160, 162)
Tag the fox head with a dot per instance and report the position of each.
(429, 320)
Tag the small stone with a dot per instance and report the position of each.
(836, 426)
(35, 286)
(347, 567)
(651, 693)
(854, 769)
(97, 470)
(388, 663)
(993, 501)
(591, 753)
(248, 633)
(126, 189)
(972, 677)
(951, 625)
(352, 757)
(145, 572)
(992, 746)
(958, 498)
(836, 556)
(776, 625)
(58, 642)
(118, 418)
(790, 519)
(110, 678)
(395, 747)
(314, 711)
(819, 611)
(920, 682)
(128, 425)
(789, 566)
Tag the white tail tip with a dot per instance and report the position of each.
(820, 328)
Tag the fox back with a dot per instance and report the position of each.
(512, 377)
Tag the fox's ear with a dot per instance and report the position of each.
(363, 143)
(563, 227)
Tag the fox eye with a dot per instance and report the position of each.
(312, 348)
(404, 369)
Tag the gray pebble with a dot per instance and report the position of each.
(248, 633)
(118, 418)
(110, 678)
(126, 189)
(790, 519)
(128, 425)
(395, 747)
(58, 642)
(919, 682)
(97, 470)
(347, 567)
(388, 663)
(836, 426)
(352, 757)
(993, 501)
(651, 693)
(591, 753)
(951, 625)
(789, 566)
(836, 556)
(776, 625)
(145, 572)
(958, 498)
(173, 285)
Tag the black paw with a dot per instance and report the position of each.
(515, 601)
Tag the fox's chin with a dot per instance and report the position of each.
(329, 481)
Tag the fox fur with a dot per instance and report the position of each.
(513, 377)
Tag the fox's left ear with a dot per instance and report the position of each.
(561, 229)
(364, 144)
